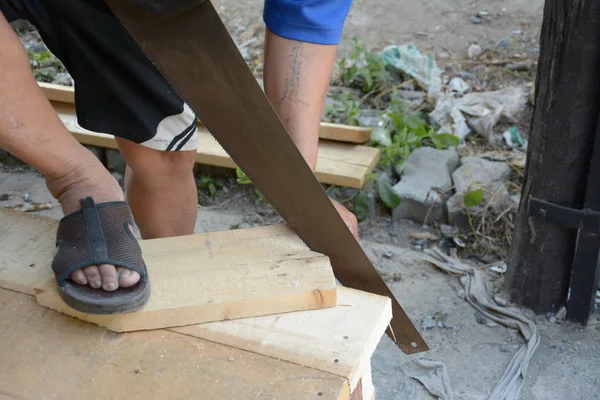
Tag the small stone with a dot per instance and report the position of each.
(552, 320)
(4, 197)
(446, 325)
(428, 323)
(563, 348)
(388, 254)
(500, 301)
(516, 32)
(476, 20)
(396, 277)
(483, 14)
(480, 318)
(443, 55)
(231, 359)
(504, 348)
(474, 50)
(63, 78)
(461, 294)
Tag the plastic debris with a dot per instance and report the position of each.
(458, 85)
(501, 269)
(479, 112)
(408, 60)
(513, 138)
(474, 50)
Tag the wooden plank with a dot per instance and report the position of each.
(367, 384)
(219, 276)
(338, 340)
(48, 355)
(26, 249)
(338, 132)
(337, 163)
(62, 93)
(344, 133)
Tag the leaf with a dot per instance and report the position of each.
(473, 198)
(381, 136)
(242, 179)
(416, 124)
(445, 140)
(399, 166)
(387, 194)
(362, 206)
(212, 189)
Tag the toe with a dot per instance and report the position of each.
(79, 277)
(109, 277)
(93, 276)
(127, 277)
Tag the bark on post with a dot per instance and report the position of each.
(567, 105)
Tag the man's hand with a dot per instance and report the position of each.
(348, 217)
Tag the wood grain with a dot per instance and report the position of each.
(219, 276)
(338, 340)
(48, 355)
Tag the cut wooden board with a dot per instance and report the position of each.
(219, 276)
(27, 246)
(337, 163)
(338, 340)
(48, 355)
(337, 132)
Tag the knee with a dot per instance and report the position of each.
(153, 164)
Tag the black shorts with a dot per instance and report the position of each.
(118, 90)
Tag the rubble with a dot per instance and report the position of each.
(425, 184)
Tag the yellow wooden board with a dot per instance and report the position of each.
(219, 276)
(339, 164)
(45, 355)
(338, 132)
(338, 340)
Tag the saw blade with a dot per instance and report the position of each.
(198, 57)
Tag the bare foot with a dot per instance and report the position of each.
(92, 180)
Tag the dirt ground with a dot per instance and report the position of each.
(567, 363)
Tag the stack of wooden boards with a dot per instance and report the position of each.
(252, 275)
(342, 161)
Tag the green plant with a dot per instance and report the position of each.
(243, 179)
(409, 131)
(363, 69)
(344, 110)
(44, 65)
(206, 182)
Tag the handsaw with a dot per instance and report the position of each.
(190, 46)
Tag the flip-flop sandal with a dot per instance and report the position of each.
(99, 234)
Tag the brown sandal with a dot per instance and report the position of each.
(99, 234)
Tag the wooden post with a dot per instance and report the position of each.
(567, 105)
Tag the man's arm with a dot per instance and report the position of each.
(296, 79)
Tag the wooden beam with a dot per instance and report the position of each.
(339, 164)
(563, 129)
(48, 355)
(329, 131)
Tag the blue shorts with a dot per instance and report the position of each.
(314, 21)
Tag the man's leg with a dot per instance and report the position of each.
(296, 79)
(30, 130)
(160, 189)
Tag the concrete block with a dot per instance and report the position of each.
(425, 184)
(114, 161)
(477, 171)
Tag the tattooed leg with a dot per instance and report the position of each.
(296, 78)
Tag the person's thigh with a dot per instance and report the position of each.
(118, 90)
